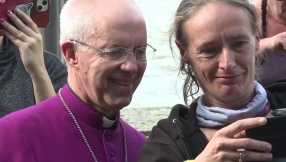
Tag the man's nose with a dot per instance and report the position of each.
(130, 64)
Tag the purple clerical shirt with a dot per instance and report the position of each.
(47, 133)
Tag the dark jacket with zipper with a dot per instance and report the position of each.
(179, 138)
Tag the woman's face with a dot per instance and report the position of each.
(220, 49)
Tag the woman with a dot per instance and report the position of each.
(28, 75)
(218, 41)
(272, 30)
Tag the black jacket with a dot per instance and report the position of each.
(179, 138)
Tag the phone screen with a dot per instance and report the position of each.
(273, 132)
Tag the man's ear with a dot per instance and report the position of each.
(68, 50)
(182, 51)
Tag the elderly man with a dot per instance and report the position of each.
(105, 46)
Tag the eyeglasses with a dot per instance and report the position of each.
(142, 54)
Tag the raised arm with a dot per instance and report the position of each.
(275, 43)
(27, 37)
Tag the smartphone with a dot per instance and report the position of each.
(38, 10)
(273, 132)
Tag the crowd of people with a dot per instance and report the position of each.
(230, 49)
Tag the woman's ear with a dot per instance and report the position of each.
(68, 50)
(182, 51)
(257, 41)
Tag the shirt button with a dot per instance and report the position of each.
(111, 153)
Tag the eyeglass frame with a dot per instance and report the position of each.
(105, 51)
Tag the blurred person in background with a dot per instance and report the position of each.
(272, 31)
(28, 75)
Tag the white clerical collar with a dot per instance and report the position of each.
(107, 123)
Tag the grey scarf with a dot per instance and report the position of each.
(216, 116)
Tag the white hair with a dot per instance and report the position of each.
(77, 21)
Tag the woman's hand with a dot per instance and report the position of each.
(275, 44)
(2, 1)
(27, 37)
(226, 143)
